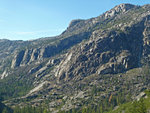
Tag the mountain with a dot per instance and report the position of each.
(98, 63)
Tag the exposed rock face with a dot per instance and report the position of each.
(18, 59)
(64, 69)
(27, 56)
(114, 42)
(77, 31)
(109, 51)
(119, 9)
(4, 74)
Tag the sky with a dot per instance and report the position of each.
(32, 19)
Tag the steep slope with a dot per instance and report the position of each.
(28, 56)
(122, 46)
(77, 31)
(90, 61)
(5, 109)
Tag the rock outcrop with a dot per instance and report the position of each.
(27, 56)
(110, 51)
(90, 61)
(119, 9)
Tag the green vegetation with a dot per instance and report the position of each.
(100, 94)
(5, 109)
(102, 106)
(105, 106)
(94, 104)
(12, 87)
(140, 106)
(30, 109)
(27, 109)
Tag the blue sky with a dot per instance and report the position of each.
(31, 19)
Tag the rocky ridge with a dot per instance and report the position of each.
(107, 52)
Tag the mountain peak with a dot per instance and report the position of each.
(118, 9)
(124, 7)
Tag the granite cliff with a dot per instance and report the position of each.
(91, 60)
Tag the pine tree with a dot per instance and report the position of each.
(141, 106)
(84, 110)
(5, 110)
(17, 110)
(45, 111)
